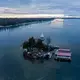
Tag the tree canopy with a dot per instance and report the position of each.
(36, 43)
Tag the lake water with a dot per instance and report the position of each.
(14, 67)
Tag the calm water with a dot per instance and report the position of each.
(14, 67)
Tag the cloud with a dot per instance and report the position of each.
(8, 10)
(76, 3)
(32, 8)
(42, 6)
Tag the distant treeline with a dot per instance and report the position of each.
(13, 21)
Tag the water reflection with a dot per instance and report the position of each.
(31, 59)
(15, 65)
(57, 23)
(11, 27)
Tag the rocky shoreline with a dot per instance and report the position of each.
(38, 49)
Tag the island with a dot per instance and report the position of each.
(38, 48)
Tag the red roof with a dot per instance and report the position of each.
(64, 52)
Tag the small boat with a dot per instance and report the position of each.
(62, 55)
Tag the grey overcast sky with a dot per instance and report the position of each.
(70, 7)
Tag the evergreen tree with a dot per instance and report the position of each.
(31, 42)
(39, 44)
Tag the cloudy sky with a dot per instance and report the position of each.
(70, 7)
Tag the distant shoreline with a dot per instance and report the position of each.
(13, 21)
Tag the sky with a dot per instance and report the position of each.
(67, 7)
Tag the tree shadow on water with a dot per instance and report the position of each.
(9, 24)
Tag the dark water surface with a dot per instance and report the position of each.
(14, 67)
